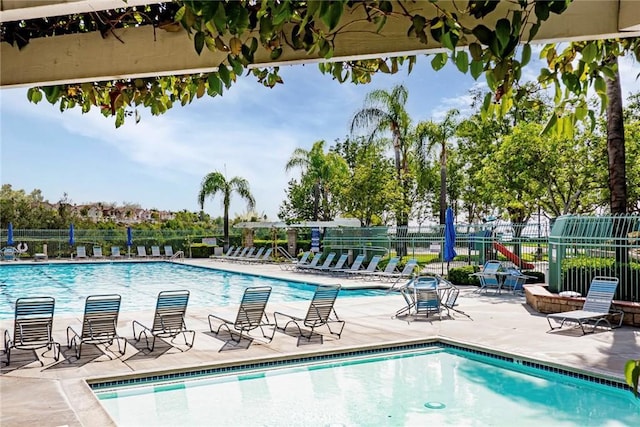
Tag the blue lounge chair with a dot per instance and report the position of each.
(99, 324)
(372, 268)
(296, 262)
(321, 312)
(32, 327)
(355, 267)
(251, 315)
(326, 266)
(596, 309)
(168, 320)
(9, 253)
(489, 276)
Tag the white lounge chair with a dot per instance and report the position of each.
(115, 252)
(168, 251)
(97, 252)
(155, 252)
(142, 252)
(81, 252)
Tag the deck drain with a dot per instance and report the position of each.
(435, 405)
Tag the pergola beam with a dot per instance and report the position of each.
(145, 51)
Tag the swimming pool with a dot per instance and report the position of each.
(139, 283)
(427, 386)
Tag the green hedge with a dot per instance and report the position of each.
(577, 274)
(460, 275)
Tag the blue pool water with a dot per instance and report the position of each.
(139, 284)
(415, 388)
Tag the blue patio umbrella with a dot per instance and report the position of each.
(72, 240)
(10, 241)
(449, 237)
(129, 240)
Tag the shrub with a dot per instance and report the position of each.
(460, 275)
(538, 276)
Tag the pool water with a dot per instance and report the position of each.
(427, 387)
(139, 283)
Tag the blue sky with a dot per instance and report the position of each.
(250, 132)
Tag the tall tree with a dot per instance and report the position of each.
(616, 142)
(431, 135)
(215, 183)
(324, 171)
(384, 113)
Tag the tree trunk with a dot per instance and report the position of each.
(617, 167)
(226, 227)
(443, 182)
(616, 146)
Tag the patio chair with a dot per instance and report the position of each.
(251, 315)
(327, 268)
(321, 312)
(155, 252)
(81, 252)
(226, 254)
(302, 266)
(256, 255)
(425, 296)
(99, 324)
(32, 327)
(265, 257)
(168, 320)
(168, 251)
(296, 262)
(390, 268)
(9, 253)
(489, 276)
(372, 268)
(325, 265)
(142, 252)
(514, 280)
(406, 272)
(596, 308)
(97, 252)
(355, 267)
(115, 252)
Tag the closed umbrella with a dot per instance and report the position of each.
(72, 240)
(10, 241)
(449, 237)
(129, 240)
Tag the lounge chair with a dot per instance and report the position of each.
(596, 309)
(391, 268)
(296, 262)
(489, 276)
(321, 312)
(226, 254)
(514, 280)
(155, 252)
(142, 252)
(97, 252)
(407, 271)
(168, 251)
(239, 254)
(81, 252)
(372, 268)
(355, 267)
(32, 327)
(325, 265)
(115, 252)
(99, 324)
(327, 268)
(251, 315)
(252, 256)
(168, 319)
(301, 266)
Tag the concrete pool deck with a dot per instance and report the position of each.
(57, 394)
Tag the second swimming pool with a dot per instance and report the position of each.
(139, 283)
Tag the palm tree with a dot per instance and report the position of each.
(321, 169)
(430, 135)
(216, 182)
(384, 112)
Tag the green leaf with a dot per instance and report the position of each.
(419, 23)
(542, 10)
(534, 30)
(220, 18)
(632, 375)
(333, 14)
(486, 102)
(225, 75)
(476, 51)
(551, 124)
(581, 113)
(477, 67)
(526, 54)
(483, 34)
(446, 41)
(199, 42)
(503, 31)
(179, 14)
(215, 84)
(462, 61)
(600, 85)
(235, 64)
(439, 60)
(589, 52)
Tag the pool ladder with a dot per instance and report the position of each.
(178, 255)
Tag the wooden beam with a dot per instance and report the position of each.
(143, 51)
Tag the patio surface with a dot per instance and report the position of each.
(57, 394)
